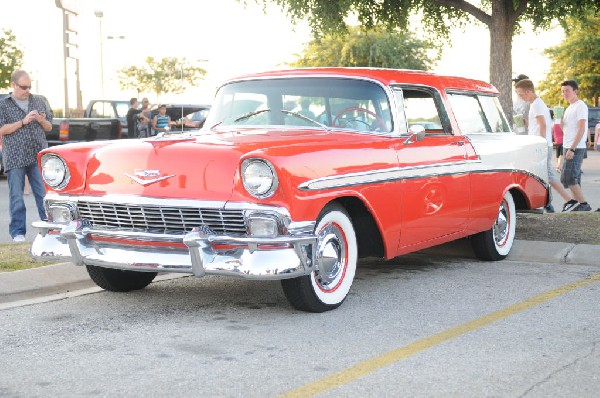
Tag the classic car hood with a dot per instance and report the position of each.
(177, 168)
(200, 166)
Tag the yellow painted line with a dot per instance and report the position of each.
(371, 365)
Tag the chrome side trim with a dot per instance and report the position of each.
(386, 175)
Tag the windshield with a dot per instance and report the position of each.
(317, 102)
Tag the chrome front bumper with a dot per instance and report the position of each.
(199, 252)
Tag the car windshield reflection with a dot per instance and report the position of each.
(330, 103)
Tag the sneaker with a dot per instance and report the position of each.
(582, 207)
(19, 239)
(570, 205)
(549, 209)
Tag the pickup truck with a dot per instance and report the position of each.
(83, 129)
(102, 120)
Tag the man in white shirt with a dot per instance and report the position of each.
(540, 123)
(574, 124)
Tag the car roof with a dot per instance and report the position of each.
(383, 75)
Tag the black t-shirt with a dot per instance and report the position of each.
(131, 120)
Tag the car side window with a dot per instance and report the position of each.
(476, 113)
(418, 106)
(494, 114)
(122, 109)
(468, 113)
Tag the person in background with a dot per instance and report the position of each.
(540, 123)
(132, 117)
(574, 124)
(520, 110)
(162, 122)
(144, 122)
(596, 143)
(24, 121)
(558, 134)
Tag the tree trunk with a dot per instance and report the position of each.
(501, 32)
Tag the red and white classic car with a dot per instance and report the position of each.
(295, 176)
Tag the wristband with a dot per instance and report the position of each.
(571, 149)
(22, 123)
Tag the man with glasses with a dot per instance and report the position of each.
(24, 121)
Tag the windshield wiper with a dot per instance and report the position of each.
(250, 114)
(301, 116)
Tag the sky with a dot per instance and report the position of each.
(226, 37)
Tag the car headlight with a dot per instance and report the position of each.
(259, 177)
(55, 171)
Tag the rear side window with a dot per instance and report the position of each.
(476, 113)
(103, 109)
(417, 106)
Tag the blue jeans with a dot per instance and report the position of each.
(16, 184)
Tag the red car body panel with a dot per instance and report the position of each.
(418, 194)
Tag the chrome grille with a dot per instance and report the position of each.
(160, 219)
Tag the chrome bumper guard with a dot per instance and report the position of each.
(280, 257)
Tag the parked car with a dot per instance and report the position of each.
(102, 120)
(109, 109)
(72, 130)
(264, 191)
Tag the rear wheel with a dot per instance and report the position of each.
(335, 265)
(117, 280)
(495, 243)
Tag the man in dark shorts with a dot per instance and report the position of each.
(574, 124)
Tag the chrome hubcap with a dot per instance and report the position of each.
(501, 224)
(331, 252)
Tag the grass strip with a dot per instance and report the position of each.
(15, 256)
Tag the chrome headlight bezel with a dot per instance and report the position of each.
(259, 177)
(52, 163)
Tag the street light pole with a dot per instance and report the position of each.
(100, 14)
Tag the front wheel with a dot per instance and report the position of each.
(117, 280)
(336, 255)
(495, 243)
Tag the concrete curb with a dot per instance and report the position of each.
(63, 278)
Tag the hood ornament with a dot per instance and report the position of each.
(147, 177)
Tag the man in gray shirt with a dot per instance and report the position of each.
(24, 121)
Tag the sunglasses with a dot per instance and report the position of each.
(23, 87)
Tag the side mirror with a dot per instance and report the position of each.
(416, 133)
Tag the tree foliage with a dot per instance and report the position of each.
(167, 75)
(502, 17)
(11, 57)
(578, 58)
(368, 48)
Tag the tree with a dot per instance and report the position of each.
(11, 57)
(578, 58)
(502, 17)
(371, 48)
(168, 75)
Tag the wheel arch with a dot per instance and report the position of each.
(368, 234)
(521, 202)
